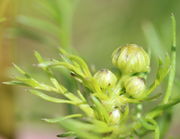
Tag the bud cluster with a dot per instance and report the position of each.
(131, 60)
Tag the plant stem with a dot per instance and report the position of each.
(173, 63)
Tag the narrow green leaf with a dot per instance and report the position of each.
(66, 134)
(82, 130)
(100, 109)
(49, 98)
(16, 83)
(56, 120)
(59, 87)
(161, 74)
(81, 96)
(21, 71)
(78, 60)
(38, 57)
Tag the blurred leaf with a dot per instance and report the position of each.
(164, 123)
(21, 71)
(82, 130)
(66, 134)
(153, 40)
(15, 83)
(34, 35)
(164, 67)
(168, 105)
(86, 130)
(162, 108)
(38, 23)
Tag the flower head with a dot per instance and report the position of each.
(131, 59)
(135, 86)
(105, 78)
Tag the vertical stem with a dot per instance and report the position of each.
(173, 63)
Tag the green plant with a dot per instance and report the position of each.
(111, 105)
(54, 18)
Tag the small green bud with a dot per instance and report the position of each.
(105, 78)
(135, 86)
(131, 59)
(115, 116)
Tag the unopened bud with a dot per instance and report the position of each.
(135, 86)
(131, 59)
(105, 78)
(115, 116)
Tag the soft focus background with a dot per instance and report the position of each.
(89, 28)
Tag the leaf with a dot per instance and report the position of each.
(40, 60)
(82, 130)
(95, 129)
(35, 84)
(168, 105)
(34, 35)
(101, 111)
(21, 71)
(49, 98)
(153, 40)
(101, 127)
(151, 98)
(56, 120)
(38, 57)
(16, 83)
(161, 108)
(74, 98)
(81, 96)
(61, 89)
(164, 68)
(164, 123)
(162, 72)
(66, 134)
(38, 24)
(77, 60)
(45, 7)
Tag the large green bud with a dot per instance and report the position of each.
(135, 86)
(131, 59)
(105, 78)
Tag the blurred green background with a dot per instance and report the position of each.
(89, 28)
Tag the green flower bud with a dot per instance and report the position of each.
(131, 59)
(135, 86)
(115, 116)
(105, 78)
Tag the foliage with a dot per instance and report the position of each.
(55, 20)
(108, 113)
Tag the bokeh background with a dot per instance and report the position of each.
(89, 28)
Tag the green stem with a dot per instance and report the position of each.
(173, 63)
